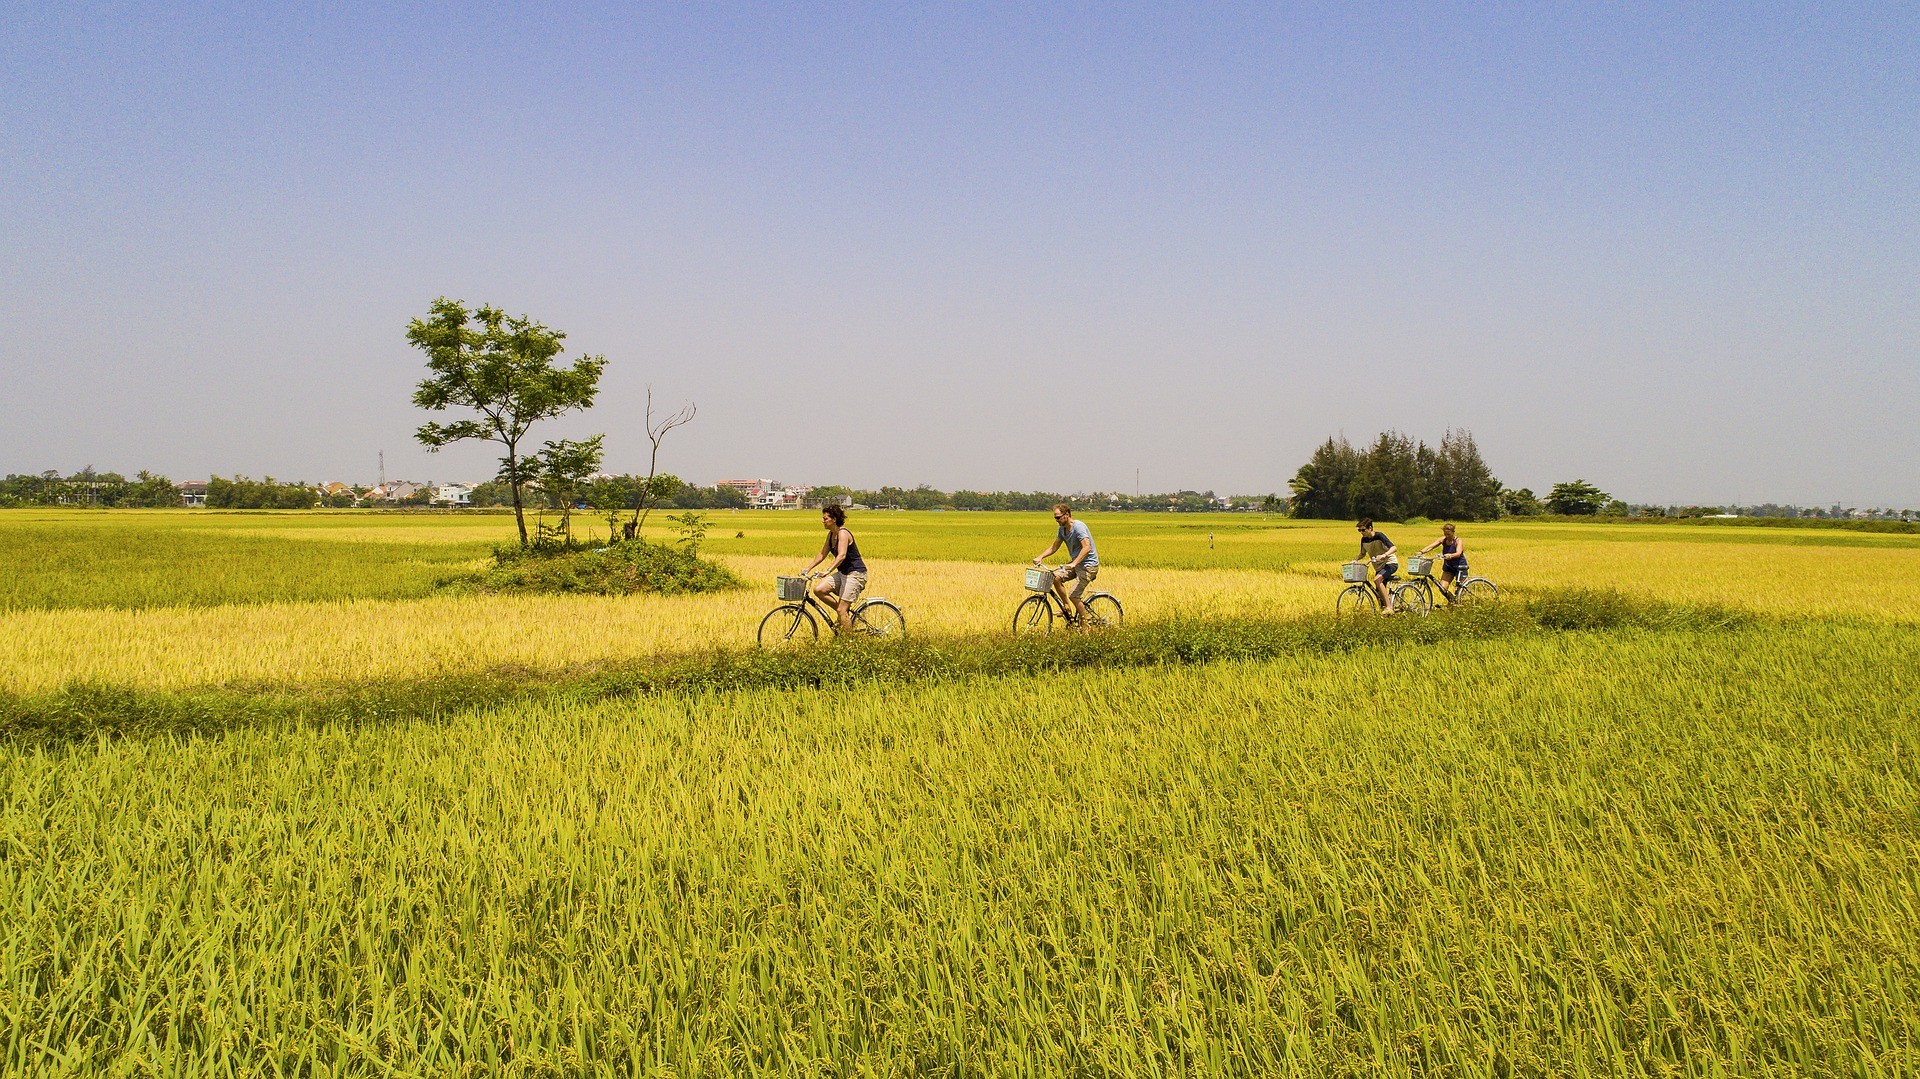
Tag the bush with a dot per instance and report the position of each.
(618, 570)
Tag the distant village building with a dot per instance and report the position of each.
(753, 489)
(192, 492)
(782, 498)
(453, 494)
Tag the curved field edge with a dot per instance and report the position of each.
(1626, 852)
(83, 712)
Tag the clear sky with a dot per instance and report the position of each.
(1671, 249)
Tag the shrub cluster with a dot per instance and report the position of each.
(620, 569)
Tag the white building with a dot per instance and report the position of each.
(753, 489)
(781, 498)
(453, 494)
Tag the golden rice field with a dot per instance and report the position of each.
(1629, 851)
(177, 645)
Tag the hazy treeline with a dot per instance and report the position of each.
(244, 493)
(927, 498)
(89, 488)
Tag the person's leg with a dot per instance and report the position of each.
(826, 590)
(1079, 595)
(849, 586)
(1060, 593)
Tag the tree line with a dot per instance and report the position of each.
(1397, 477)
(89, 488)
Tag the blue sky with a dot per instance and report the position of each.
(1672, 249)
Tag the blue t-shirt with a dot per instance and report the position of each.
(1077, 537)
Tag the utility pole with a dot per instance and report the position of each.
(383, 468)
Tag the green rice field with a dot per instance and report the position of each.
(271, 805)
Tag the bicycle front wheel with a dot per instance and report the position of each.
(1357, 599)
(1034, 615)
(1103, 611)
(878, 618)
(1412, 599)
(788, 626)
(1477, 590)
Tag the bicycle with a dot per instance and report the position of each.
(792, 623)
(1465, 592)
(1035, 614)
(1418, 592)
(1360, 598)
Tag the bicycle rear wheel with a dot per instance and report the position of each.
(788, 626)
(1357, 599)
(1034, 615)
(879, 618)
(1103, 611)
(1477, 590)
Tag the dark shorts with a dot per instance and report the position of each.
(1456, 567)
(1387, 572)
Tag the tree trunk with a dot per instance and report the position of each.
(513, 483)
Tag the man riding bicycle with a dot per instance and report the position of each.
(848, 578)
(1453, 557)
(1083, 567)
(1377, 550)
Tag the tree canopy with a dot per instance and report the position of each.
(502, 368)
(1395, 478)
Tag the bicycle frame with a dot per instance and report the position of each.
(829, 615)
(1058, 607)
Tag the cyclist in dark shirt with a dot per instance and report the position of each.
(1378, 551)
(842, 585)
(1453, 557)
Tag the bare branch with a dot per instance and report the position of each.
(657, 433)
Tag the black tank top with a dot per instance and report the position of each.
(852, 562)
(1448, 545)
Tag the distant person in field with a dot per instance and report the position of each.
(843, 584)
(1378, 551)
(1453, 558)
(1083, 565)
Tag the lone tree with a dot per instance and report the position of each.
(503, 369)
(1576, 498)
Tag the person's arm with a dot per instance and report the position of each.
(1459, 548)
(825, 550)
(1387, 555)
(1432, 545)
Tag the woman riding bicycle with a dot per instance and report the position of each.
(848, 578)
(1453, 557)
